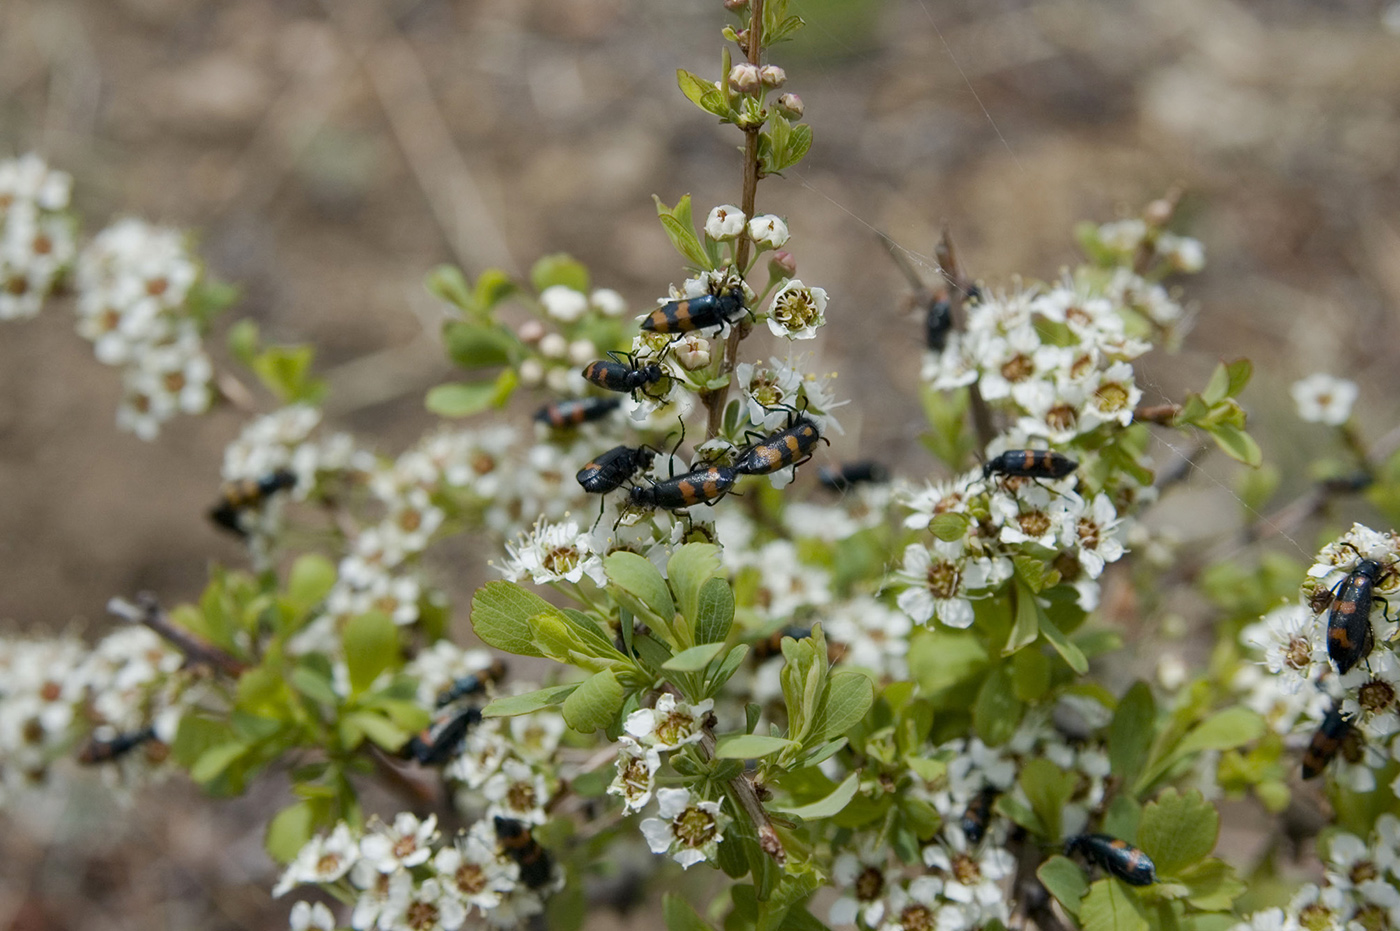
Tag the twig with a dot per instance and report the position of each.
(748, 799)
(1161, 414)
(149, 613)
(716, 399)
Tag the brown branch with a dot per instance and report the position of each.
(715, 400)
(748, 799)
(148, 612)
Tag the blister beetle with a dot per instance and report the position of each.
(536, 866)
(575, 411)
(978, 814)
(438, 742)
(97, 750)
(608, 471)
(1116, 856)
(791, 445)
(696, 313)
(704, 485)
(1350, 635)
(1029, 463)
(614, 374)
(472, 683)
(1329, 737)
(850, 474)
(240, 496)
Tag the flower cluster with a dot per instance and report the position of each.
(36, 234)
(405, 876)
(1359, 889)
(121, 699)
(1301, 686)
(136, 284)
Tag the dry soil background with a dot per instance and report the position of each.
(330, 152)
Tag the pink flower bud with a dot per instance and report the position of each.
(772, 76)
(531, 331)
(745, 79)
(790, 106)
(782, 264)
(736, 6)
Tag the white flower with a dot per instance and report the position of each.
(971, 877)
(563, 303)
(402, 845)
(608, 302)
(321, 860)
(940, 578)
(724, 223)
(862, 877)
(766, 389)
(915, 905)
(308, 917)
(517, 792)
(1324, 399)
(553, 553)
(671, 724)
(689, 831)
(636, 775)
(473, 871)
(796, 311)
(425, 907)
(1292, 640)
(768, 232)
(1094, 533)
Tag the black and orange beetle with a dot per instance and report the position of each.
(1118, 857)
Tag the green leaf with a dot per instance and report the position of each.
(286, 372)
(477, 346)
(379, 729)
(315, 685)
(1131, 733)
(492, 286)
(1218, 388)
(594, 704)
(1177, 831)
(1109, 906)
(997, 712)
(688, 569)
(1030, 675)
(448, 283)
(310, 580)
(829, 806)
(1225, 730)
(949, 526)
(702, 93)
(1212, 885)
(679, 915)
(680, 229)
(1063, 879)
(849, 696)
(750, 746)
(508, 706)
(215, 760)
(634, 575)
(1236, 444)
(714, 611)
(1048, 788)
(371, 644)
(1070, 653)
(289, 831)
(463, 399)
(501, 613)
(559, 269)
(1028, 618)
(243, 342)
(695, 659)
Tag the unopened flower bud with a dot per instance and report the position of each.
(772, 76)
(1159, 212)
(790, 106)
(554, 346)
(768, 231)
(531, 332)
(692, 352)
(745, 79)
(782, 264)
(582, 351)
(736, 6)
(558, 380)
(531, 372)
(724, 223)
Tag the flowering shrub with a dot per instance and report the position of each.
(896, 706)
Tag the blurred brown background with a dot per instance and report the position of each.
(329, 153)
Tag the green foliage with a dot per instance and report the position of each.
(1216, 412)
(680, 229)
(283, 370)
